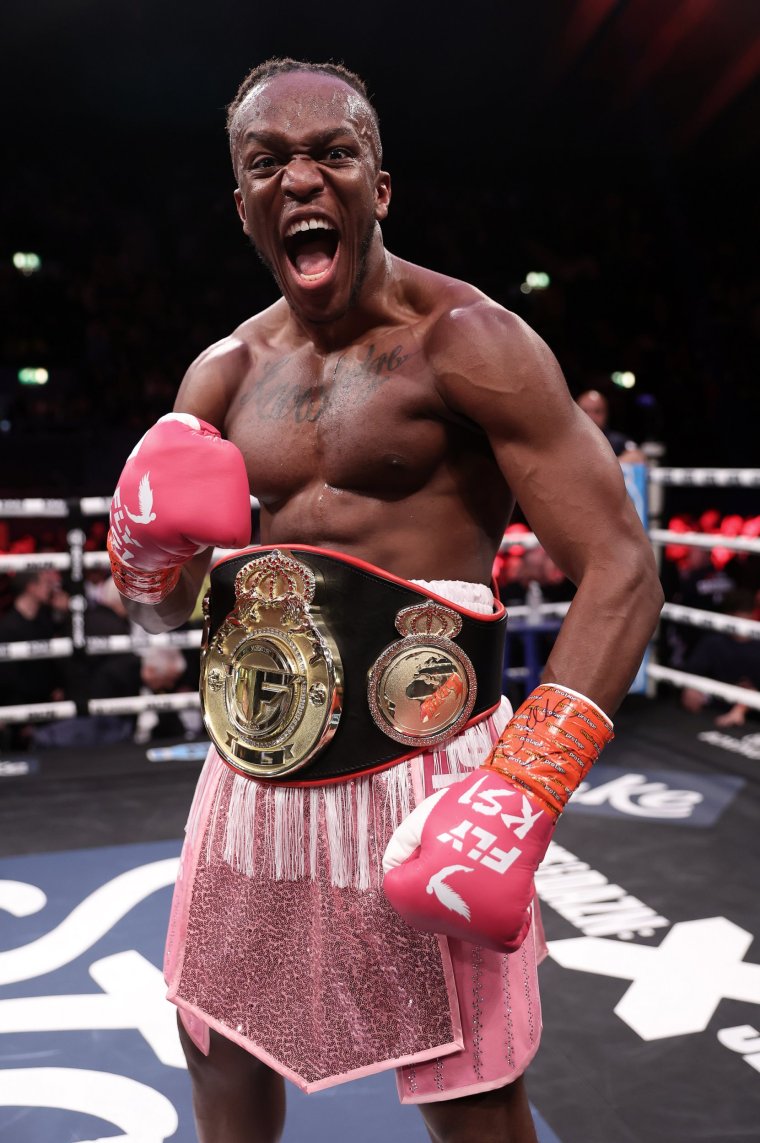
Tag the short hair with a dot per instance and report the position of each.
(276, 66)
(23, 580)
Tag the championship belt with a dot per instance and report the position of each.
(302, 681)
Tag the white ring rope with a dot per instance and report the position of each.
(115, 644)
(521, 611)
(34, 507)
(59, 648)
(519, 540)
(132, 704)
(726, 691)
(31, 561)
(184, 700)
(38, 711)
(710, 540)
(39, 507)
(695, 617)
(62, 647)
(705, 540)
(699, 477)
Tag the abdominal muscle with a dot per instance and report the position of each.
(418, 537)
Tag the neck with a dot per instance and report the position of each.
(372, 306)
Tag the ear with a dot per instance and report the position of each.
(241, 210)
(382, 195)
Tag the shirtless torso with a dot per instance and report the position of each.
(357, 449)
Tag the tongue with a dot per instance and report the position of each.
(313, 257)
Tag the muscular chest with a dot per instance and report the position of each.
(364, 420)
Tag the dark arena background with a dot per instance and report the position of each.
(591, 165)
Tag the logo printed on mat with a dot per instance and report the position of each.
(672, 796)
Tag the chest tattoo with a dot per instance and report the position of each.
(278, 397)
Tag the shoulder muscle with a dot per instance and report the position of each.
(210, 383)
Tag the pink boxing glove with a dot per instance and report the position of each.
(462, 863)
(184, 488)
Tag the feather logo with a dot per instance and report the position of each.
(145, 499)
(449, 897)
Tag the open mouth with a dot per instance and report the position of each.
(311, 246)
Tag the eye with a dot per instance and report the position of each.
(263, 163)
(335, 154)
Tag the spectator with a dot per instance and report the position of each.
(105, 616)
(729, 658)
(701, 585)
(596, 406)
(157, 670)
(38, 612)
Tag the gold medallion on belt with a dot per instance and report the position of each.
(422, 688)
(271, 675)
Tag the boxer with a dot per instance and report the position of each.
(390, 416)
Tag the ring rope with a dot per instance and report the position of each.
(699, 477)
(695, 617)
(41, 561)
(558, 610)
(34, 507)
(702, 540)
(62, 647)
(132, 704)
(658, 536)
(727, 691)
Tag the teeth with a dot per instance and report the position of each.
(307, 224)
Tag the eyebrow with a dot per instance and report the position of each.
(274, 138)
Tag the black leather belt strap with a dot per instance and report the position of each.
(360, 603)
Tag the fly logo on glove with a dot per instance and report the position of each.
(491, 802)
(496, 824)
(122, 538)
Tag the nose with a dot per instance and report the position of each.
(302, 177)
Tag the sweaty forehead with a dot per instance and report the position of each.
(299, 101)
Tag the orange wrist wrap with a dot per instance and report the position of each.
(142, 586)
(551, 742)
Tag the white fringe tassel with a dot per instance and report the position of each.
(288, 834)
(284, 839)
(239, 839)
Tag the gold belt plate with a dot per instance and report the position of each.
(271, 675)
(422, 688)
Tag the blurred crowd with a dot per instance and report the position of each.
(37, 608)
(133, 283)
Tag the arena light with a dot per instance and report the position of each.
(27, 263)
(35, 376)
(535, 280)
(625, 380)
